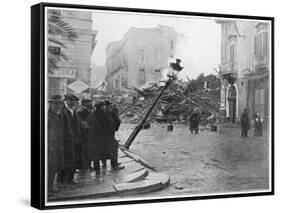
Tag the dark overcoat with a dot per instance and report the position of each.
(245, 121)
(84, 114)
(72, 138)
(101, 135)
(55, 142)
(194, 121)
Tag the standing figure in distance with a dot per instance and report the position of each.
(258, 125)
(194, 121)
(245, 123)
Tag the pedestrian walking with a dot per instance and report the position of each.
(84, 114)
(72, 139)
(55, 142)
(258, 125)
(245, 123)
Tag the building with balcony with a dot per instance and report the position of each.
(245, 68)
(140, 57)
(78, 52)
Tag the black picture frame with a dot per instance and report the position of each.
(38, 104)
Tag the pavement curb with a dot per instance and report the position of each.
(136, 178)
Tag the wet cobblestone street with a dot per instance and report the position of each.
(210, 162)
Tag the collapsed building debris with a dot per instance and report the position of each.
(177, 102)
(174, 106)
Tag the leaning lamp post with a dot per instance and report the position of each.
(172, 75)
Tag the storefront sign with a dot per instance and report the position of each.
(63, 73)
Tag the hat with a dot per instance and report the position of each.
(99, 103)
(84, 101)
(71, 97)
(178, 61)
(107, 103)
(56, 98)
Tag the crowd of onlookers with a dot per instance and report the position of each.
(81, 136)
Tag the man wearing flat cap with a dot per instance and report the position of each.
(72, 138)
(55, 142)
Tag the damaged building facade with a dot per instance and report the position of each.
(140, 57)
(245, 69)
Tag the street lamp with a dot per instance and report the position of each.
(174, 70)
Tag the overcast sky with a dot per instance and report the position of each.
(198, 44)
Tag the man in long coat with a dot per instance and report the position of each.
(72, 139)
(84, 114)
(194, 122)
(111, 113)
(55, 142)
(102, 142)
(245, 123)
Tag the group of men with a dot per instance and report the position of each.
(76, 138)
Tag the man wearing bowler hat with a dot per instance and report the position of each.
(72, 138)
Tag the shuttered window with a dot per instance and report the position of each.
(261, 44)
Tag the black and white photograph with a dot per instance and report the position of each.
(148, 105)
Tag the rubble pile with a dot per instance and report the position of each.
(176, 104)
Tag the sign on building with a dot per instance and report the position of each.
(78, 86)
(63, 73)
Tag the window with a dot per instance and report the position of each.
(158, 75)
(141, 56)
(141, 76)
(261, 44)
(231, 55)
(117, 83)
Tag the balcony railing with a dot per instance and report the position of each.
(229, 67)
